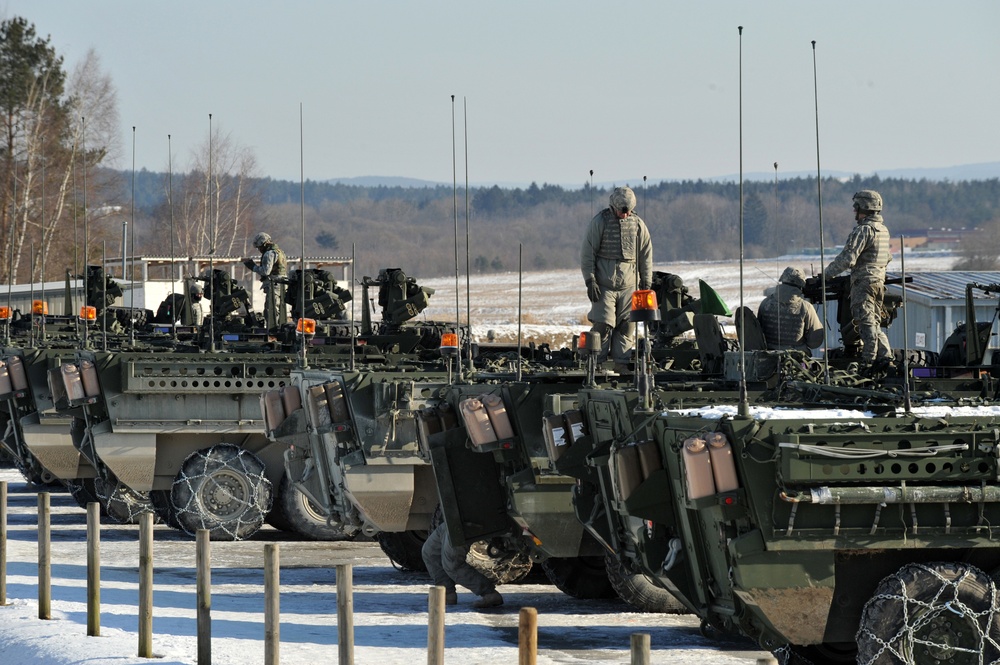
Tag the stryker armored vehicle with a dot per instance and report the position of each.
(832, 535)
(182, 433)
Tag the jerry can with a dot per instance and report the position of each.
(574, 425)
(698, 467)
(554, 433)
(498, 416)
(5, 383)
(272, 408)
(319, 411)
(723, 465)
(18, 377)
(629, 470)
(88, 376)
(477, 421)
(649, 458)
(290, 398)
(335, 402)
(73, 382)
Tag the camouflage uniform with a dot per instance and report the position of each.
(447, 565)
(787, 319)
(272, 264)
(866, 253)
(612, 248)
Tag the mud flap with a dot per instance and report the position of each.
(473, 501)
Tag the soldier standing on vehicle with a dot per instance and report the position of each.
(866, 254)
(616, 259)
(788, 320)
(272, 264)
(448, 567)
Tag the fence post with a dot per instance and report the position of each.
(44, 558)
(345, 613)
(3, 542)
(272, 607)
(203, 561)
(640, 649)
(767, 661)
(527, 636)
(93, 569)
(435, 625)
(146, 585)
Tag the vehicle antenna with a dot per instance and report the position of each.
(303, 360)
(744, 406)
(906, 365)
(104, 296)
(10, 287)
(468, 286)
(592, 213)
(454, 198)
(822, 251)
(211, 241)
(353, 278)
(31, 278)
(131, 293)
(173, 267)
(76, 235)
(777, 266)
(519, 285)
(42, 252)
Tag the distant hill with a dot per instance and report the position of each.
(962, 172)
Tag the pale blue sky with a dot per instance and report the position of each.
(554, 88)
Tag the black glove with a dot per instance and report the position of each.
(593, 291)
(248, 263)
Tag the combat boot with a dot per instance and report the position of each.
(487, 600)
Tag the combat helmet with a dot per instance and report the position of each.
(261, 239)
(868, 199)
(623, 199)
(793, 277)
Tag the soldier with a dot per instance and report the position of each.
(272, 264)
(866, 254)
(172, 309)
(617, 257)
(447, 566)
(788, 320)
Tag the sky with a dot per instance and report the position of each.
(545, 91)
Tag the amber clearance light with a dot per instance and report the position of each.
(306, 327)
(88, 313)
(449, 344)
(5, 314)
(644, 306)
(39, 307)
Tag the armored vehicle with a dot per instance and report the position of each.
(824, 534)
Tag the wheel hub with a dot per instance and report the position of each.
(225, 494)
(947, 639)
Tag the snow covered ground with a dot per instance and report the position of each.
(554, 303)
(390, 608)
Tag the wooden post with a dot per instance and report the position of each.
(640, 649)
(767, 661)
(93, 569)
(272, 627)
(203, 562)
(44, 558)
(527, 636)
(3, 542)
(435, 626)
(146, 585)
(345, 613)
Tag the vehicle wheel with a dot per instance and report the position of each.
(845, 653)
(294, 512)
(501, 566)
(163, 508)
(84, 492)
(403, 549)
(33, 472)
(581, 577)
(222, 489)
(121, 503)
(639, 591)
(925, 613)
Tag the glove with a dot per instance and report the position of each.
(248, 263)
(593, 291)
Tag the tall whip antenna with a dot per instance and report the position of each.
(744, 406)
(353, 277)
(468, 269)
(302, 224)
(454, 198)
(211, 241)
(819, 200)
(131, 294)
(519, 287)
(173, 267)
(906, 337)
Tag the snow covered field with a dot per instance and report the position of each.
(554, 303)
(390, 607)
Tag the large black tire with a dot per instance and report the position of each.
(403, 549)
(222, 489)
(295, 513)
(501, 566)
(845, 653)
(925, 613)
(639, 591)
(121, 503)
(163, 508)
(84, 492)
(580, 577)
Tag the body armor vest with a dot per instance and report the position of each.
(280, 266)
(877, 254)
(618, 238)
(782, 323)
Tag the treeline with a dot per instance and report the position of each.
(541, 226)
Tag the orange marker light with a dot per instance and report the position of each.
(644, 300)
(449, 344)
(4, 313)
(306, 327)
(39, 307)
(88, 313)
